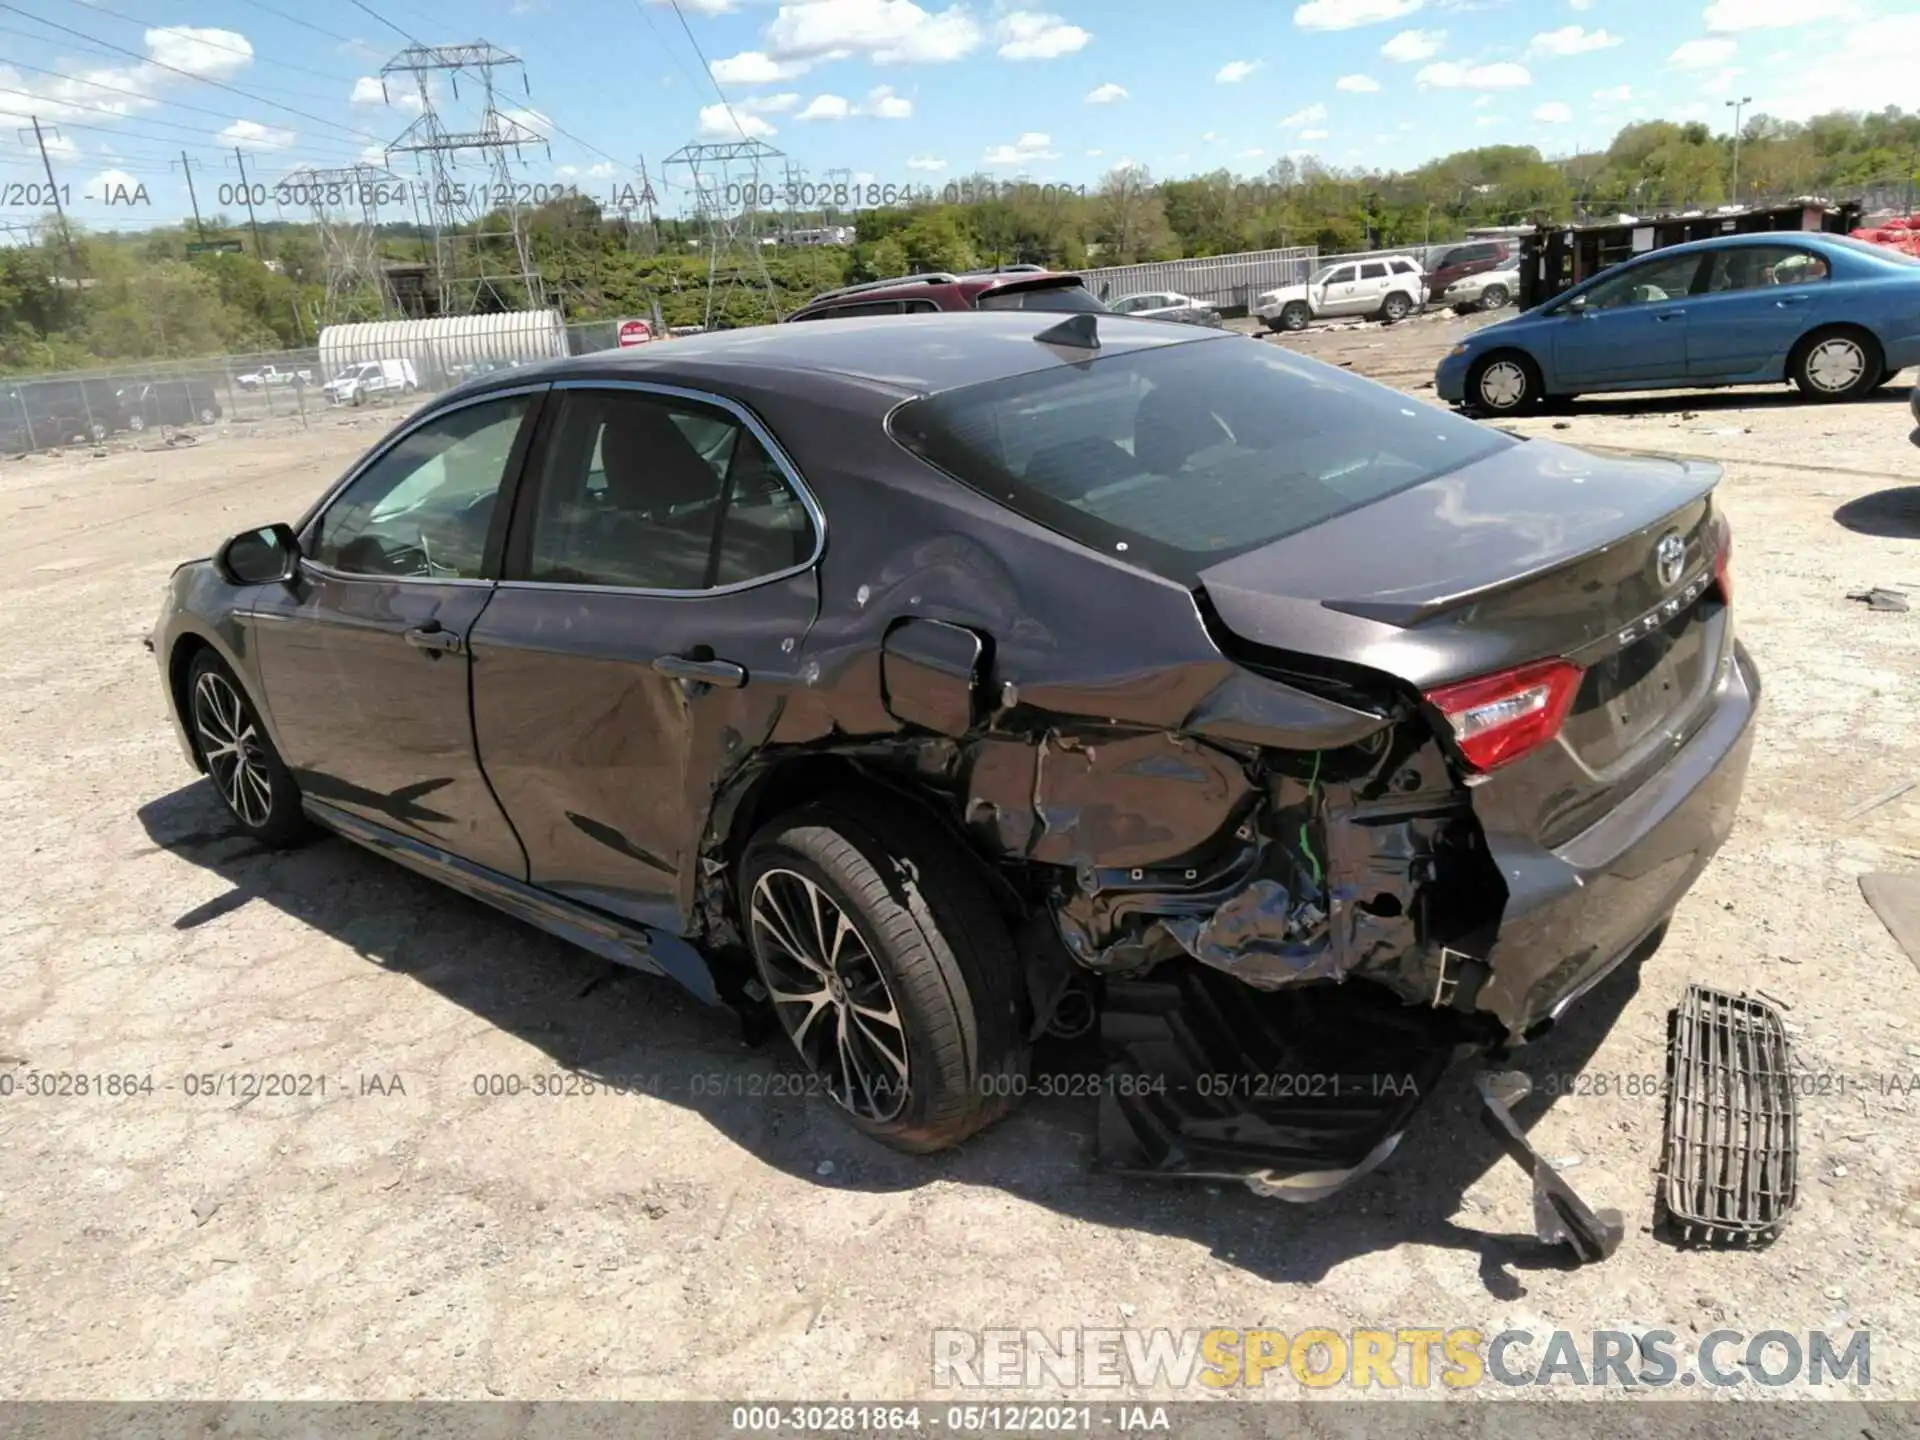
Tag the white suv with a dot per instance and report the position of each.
(1391, 287)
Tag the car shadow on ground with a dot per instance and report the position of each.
(1706, 401)
(1893, 513)
(616, 1025)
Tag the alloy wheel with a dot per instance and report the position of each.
(1836, 364)
(232, 749)
(1503, 385)
(830, 994)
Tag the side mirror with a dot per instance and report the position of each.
(259, 557)
(1576, 306)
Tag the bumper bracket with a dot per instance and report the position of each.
(1559, 1215)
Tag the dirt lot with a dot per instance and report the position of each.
(402, 1235)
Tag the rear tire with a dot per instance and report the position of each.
(247, 772)
(1504, 383)
(1837, 363)
(1295, 315)
(1395, 308)
(903, 990)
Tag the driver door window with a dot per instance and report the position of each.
(1652, 283)
(423, 509)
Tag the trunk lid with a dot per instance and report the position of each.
(1536, 552)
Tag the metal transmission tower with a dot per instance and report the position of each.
(345, 203)
(461, 208)
(728, 187)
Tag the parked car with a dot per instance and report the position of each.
(1007, 289)
(1165, 305)
(1836, 317)
(35, 414)
(1391, 288)
(1457, 262)
(1484, 290)
(372, 380)
(185, 401)
(270, 377)
(900, 683)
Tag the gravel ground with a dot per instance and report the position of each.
(403, 1235)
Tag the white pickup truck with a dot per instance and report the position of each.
(1391, 287)
(272, 377)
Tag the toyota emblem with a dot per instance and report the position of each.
(1669, 559)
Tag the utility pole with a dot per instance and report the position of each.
(53, 186)
(1737, 106)
(246, 191)
(186, 169)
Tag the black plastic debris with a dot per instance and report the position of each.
(1559, 1215)
(1731, 1151)
(1879, 599)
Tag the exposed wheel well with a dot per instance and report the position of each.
(179, 669)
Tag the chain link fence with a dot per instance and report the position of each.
(45, 411)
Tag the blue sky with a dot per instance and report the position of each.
(1055, 90)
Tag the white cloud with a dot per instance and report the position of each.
(1580, 4)
(526, 118)
(1731, 16)
(373, 155)
(210, 54)
(1036, 35)
(1570, 40)
(1313, 134)
(753, 67)
(1411, 45)
(1721, 82)
(252, 135)
(1554, 112)
(883, 104)
(1032, 146)
(769, 104)
(1348, 14)
(1702, 54)
(885, 32)
(1210, 138)
(1485, 120)
(1106, 94)
(826, 107)
(1234, 71)
(1312, 115)
(926, 162)
(1254, 154)
(1618, 95)
(1095, 154)
(1453, 75)
(108, 181)
(722, 122)
(702, 7)
(368, 91)
(1874, 58)
(1480, 102)
(1357, 84)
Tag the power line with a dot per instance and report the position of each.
(200, 38)
(308, 24)
(726, 104)
(189, 75)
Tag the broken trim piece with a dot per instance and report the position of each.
(1559, 1215)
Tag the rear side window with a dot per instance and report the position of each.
(849, 312)
(1179, 457)
(1373, 270)
(1040, 297)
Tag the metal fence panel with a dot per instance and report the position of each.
(1223, 280)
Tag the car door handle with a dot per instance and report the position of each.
(723, 673)
(1786, 300)
(434, 638)
(1666, 315)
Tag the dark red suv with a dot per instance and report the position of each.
(1469, 257)
(1022, 288)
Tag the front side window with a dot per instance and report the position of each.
(651, 492)
(423, 509)
(1181, 456)
(1648, 283)
(1339, 275)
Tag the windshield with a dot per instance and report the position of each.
(1184, 455)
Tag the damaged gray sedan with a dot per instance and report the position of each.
(932, 683)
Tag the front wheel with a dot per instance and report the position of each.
(1395, 308)
(1836, 364)
(1493, 297)
(136, 423)
(1295, 316)
(1504, 384)
(890, 969)
(246, 770)
(207, 416)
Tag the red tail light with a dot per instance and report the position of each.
(1496, 719)
(1723, 562)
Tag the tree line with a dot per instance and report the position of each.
(78, 300)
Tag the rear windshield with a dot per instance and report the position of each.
(1069, 296)
(1181, 456)
(1879, 252)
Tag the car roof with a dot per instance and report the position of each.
(969, 286)
(894, 356)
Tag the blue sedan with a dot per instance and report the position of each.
(1836, 316)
